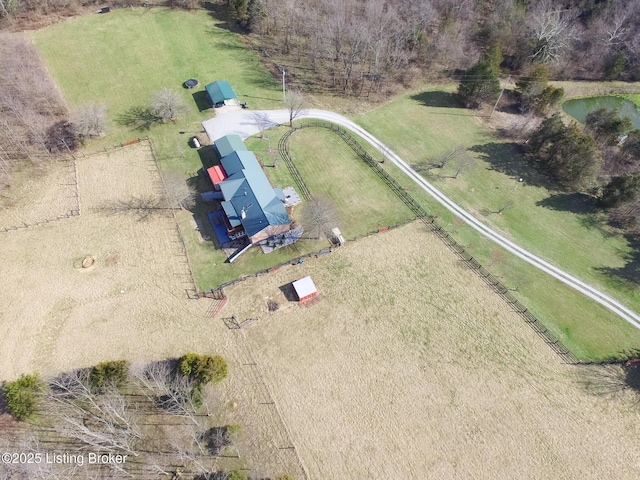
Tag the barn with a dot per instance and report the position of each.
(220, 93)
(305, 289)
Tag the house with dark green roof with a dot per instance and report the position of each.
(250, 203)
(220, 93)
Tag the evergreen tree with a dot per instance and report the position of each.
(620, 190)
(535, 93)
(480, 84)
(606, 125)
(572, 157)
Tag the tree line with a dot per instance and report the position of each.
(362, 47)
(164, 416)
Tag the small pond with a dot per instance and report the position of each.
(580, 107)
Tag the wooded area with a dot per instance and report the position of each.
(33, 115)
(160, 418)
(363, 47)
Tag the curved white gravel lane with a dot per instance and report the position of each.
(241, 123)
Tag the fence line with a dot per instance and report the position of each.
(74, 212)
(271, 403)
(190, 292)
(556, 345)
(124, 144)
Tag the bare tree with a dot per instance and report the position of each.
(440, 161)
(554, 30)
(167, 104)
(182, 193)
(170, 391)
(102, 421)
(261, 121)
(90, 120)
(296, 104)
(465, 162)
(319, 216)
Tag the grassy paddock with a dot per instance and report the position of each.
(121, 58)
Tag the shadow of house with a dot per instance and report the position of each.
(570, 202)
(202, 100)
(208, 156)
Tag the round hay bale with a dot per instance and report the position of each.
(88, 261)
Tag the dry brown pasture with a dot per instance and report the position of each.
(410, 368)
(130, 303)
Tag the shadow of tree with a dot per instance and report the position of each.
(571, 202)
(508, 158)
(219, 12)
(437, 99)
(139, 118)
(630, 271)
(143, 207)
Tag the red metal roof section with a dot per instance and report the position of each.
(217, 174)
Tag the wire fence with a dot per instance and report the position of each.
(429, 221)
(74, 204)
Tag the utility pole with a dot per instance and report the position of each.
(500, 96)
(284, 95)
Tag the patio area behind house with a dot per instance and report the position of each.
(279, 241)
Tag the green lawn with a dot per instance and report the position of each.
(121, 58)
(557, 227)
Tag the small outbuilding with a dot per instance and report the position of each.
(305, 289)
(221, 93)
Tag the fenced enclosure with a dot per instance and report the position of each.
(429, 221)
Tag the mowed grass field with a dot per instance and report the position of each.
(123, 57)
(330, 169)
(409, 367)
(557, 227)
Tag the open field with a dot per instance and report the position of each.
(39, 193)
(130, 304)
(410, 368)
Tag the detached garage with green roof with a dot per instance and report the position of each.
(221, 93)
